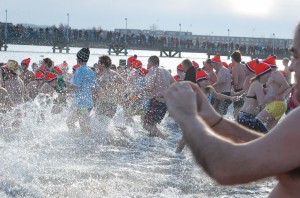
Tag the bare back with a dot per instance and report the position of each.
(27, 77)
(251, 104)
(158, 81)
(111, 87)
(238, 76)
(16, 89)
(277, 85)
(224, 81)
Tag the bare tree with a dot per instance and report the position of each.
(153, 27)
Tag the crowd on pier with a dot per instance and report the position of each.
(139, 39)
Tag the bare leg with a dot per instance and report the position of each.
(154, 131)
(73, 117)
(181, 145)
(85, 122)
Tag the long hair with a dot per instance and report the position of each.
(188, 63)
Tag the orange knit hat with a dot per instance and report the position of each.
(143, 71)
(176, 77)
(50, 76)
(261, 68)
(216, 58)
(39, 75)
(271, 60)
(250, 65)
(136, 64)
(201, 75)
(180, 67)
(195, 64)
(26, 61)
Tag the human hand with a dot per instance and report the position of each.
(185, 99)
(181, 101)
(235, 98)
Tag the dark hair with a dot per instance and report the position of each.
(187, 62)
(236, 56)
(113, 67)
(154, 60)
(105, 60)
(208, 61)
(48, 61)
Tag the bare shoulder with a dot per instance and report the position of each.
(255, 85)
(277, 75)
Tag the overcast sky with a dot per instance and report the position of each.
(254, 18)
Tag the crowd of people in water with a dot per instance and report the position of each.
(261, 94)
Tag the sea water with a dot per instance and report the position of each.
(118, 159)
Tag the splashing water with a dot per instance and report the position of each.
(115, 160)
(43, 159)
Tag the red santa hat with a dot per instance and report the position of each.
(201, 75)
(176, 77)
(216, 59)
(195, 64)
(137, 64)
(271, 60)
(65, 64)
(39, 75)
(261, 68)
(250, 65)
(143, 71)
(180, 67)
(132, 58)
(50, 76)
(75, 67)
(57, 70)
(26, 61)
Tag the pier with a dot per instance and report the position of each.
(167, 43)
(170, 52)
(117, 49)
(60, 45)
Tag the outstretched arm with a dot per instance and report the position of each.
(219, 95)
(222, 159)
